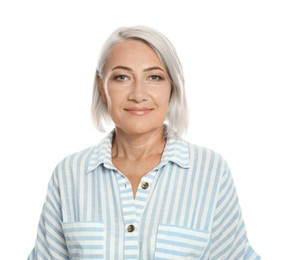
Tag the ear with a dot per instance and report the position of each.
(101, 87)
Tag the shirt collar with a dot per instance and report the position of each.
(176, 151)
(102, 154)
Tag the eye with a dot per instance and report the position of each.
(155, 77)
(121, 77)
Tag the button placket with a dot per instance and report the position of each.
(129, 215)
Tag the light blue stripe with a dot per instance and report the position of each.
(179, 244)
(177, 253)
(52, 225)
(85, 208)
(89, 256)
(49, 235)
(106, 192)
(66, 188)
(129, 212)
(84, 238)
(53, 199)
(140, 207)
(199, 184)
(141, 198)
(194, 164)
(240, 242)
(173, 188)
(130, 238)
(227, 247)
(94, 197)
(230, 187)
(78, 198)
(165, 189)
(73, 188)
(52, 214)
(131, 257)
(181, 196)
(44, 244)
(89, 247)
(115, 193)
(225, 227)
(126, 191)
(99, 193)
(131, 247)
(205, 191)
(225, 214)
(183, 235)
(51, 247)
(84, 229)
(213, 196)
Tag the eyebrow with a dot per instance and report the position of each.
(146, 69)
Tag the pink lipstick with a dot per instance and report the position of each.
(138, 111)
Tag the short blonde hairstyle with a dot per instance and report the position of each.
(177, 116)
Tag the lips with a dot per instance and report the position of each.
(138, 111)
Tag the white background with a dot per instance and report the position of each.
(235, 61)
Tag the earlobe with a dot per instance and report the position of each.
(100, 84)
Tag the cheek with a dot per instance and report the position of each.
(164, 98)
(115, 96)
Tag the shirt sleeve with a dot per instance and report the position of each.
(228, 237)
(50, 242)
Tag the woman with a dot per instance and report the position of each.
(142, 192)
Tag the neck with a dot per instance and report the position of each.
(136, 147)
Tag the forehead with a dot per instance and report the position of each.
(132, 52)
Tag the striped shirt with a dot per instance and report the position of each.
(185, 208)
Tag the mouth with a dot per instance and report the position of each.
(138, 111)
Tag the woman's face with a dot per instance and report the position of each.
(136, 88)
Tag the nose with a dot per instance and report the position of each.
(138, 92)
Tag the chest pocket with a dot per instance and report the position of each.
(175, 242)
(85, 240)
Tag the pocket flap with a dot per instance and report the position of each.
(175, 242)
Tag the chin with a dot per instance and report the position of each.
(139, 129)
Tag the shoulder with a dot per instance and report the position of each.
(194, 155)
(86, 159)
(204, 153)
(78, 161)
(204, 157)
(208, 166)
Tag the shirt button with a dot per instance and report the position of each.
(131, 228)
(144, 185)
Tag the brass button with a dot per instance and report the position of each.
(145, 185)
(131, 228)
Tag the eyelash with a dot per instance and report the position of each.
(120, 77)
(157, 77)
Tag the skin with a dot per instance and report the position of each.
(137, 90)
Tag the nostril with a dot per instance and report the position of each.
(137, 96)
